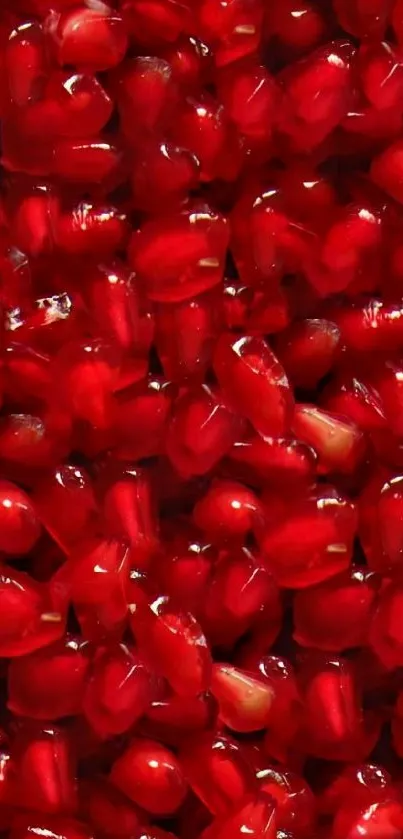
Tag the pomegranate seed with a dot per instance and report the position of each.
(361, 783)
(91, 36)
(256, 817)
(129, 511)
(164, 174)
(155, 22)
(140, 418)
(26, 46)
(271, 461)
(364, 17)
(295, 802)
(385, 631)
(119, 690)
(233, 29)
(30, 618)
(286, 710)
(379, 816)
(312, 110)
(308, 350)
(173, 718)
(380, 520)
(312, 540)
(192, 246)
(334, 723)
(337, 614)
(66, 505)
(201, 430)
(244, 701)
(150, 775)
(49, 684)
(167, 636)
(218, 772)
(339, 444)
(44, 765)
(96, 580)
(19, 525)
(253, 380)
(228, 512)
(109, 810)
(297, 27)
(186, 333)
(184, 565)
(240, 593)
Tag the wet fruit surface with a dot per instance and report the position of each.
(201, 419)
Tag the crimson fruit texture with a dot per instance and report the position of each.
(201, 419)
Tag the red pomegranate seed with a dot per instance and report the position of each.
(156, 22)
(25, 63)
(49, 684)
(19, 524)
(334, 724)
(190, 60)
(184, 565)
(256, 818)
(181, 255)
(168, 636)
(244, 701)
(297, 26)
(385, 817)
(385, 631)
(312, 540)
(119, 690)
(233, 29)
(90, 36)
(254, 382)
(362, 783)
(45, 767)
(129, 513)
(201, 431)
(140, 418)
(96, 580)
(336, 614)
(109, 810)
(339, 444)
(147, 93)
(173, 718)
(251, 98)
(271, 461)
(150, 775)
(186, 333)
(240, 592)
(228, 512)
(312, 109)
(295, 802)
(363, 17)
(286, 711)
(90, 226)
(86, 161)
(30, 617)
(203, 127)
(66, 505)
(308, 350)
(218, 772)
(164, 174)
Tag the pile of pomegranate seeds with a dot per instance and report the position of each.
(201, 425)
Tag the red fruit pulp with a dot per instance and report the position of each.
(201, 434)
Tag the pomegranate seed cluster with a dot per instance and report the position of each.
(201, 425)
